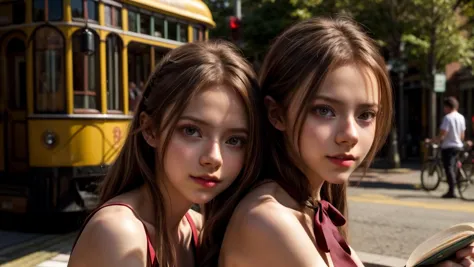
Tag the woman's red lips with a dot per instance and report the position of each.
(206, 181)
(342, 160)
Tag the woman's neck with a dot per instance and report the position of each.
(316, 183)
(175, 205)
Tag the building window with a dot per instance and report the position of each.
(114, 73)
(159, 27)
(86, 75)
(113, 16)
(77, 9)
(12, 12)
(54, 12)
(183, 32)
(49, 71)
(132, 21)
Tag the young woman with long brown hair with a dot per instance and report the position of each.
(329, 109)
(194, 137)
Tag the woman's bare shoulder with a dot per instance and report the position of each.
(265, 230)
(112, 236)
(267, 196)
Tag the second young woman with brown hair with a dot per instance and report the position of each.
(194, 136)
(329, 109)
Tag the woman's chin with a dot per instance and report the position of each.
(202, 198)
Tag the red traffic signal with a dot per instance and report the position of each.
(234, 23)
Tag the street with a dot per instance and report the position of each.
(388, 216)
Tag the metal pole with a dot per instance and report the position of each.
(238, 9)
(401, 108)
(433, 112)
(432, 70)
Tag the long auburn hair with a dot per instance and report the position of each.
(298, 61)
(180, 74)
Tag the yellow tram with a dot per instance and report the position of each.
(71, 72)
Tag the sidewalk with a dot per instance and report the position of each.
(406, 176)
(60, 260)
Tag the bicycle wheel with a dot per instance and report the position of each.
(431, 176)
(465, 185)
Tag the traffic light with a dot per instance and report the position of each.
(235, 29)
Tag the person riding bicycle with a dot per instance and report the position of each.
(451, 137)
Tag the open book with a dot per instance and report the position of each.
(442, 245)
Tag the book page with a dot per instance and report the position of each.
(440, 241)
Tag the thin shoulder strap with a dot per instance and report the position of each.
(151, 250)
(193, 229)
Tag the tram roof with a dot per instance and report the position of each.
(195, 10)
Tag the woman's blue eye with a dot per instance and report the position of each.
(235, 141)
(323, 111)
(190, 131)
(367, 116)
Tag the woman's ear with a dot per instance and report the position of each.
(275, 113)
(148, 133)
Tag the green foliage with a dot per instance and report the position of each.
(442, 27)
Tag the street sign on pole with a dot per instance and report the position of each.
(440, 82)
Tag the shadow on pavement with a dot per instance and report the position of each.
(34, 236)
(384, 165)
(384, 185)
(423, 196)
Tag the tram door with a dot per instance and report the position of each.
(14, 114)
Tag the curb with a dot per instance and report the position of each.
(375, 260)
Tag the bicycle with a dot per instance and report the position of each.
(433, 169)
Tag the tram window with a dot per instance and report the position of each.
(55, 10)
(114, 73)
(49, 71)
(19, 12)
(132, 21)
(138, 71)
(183, 32)
(113, 16)
(16, 74)
(159, 53)
(86, 76)
(92, 10)
(172, 30)
(6, 15)
(38, 10)
(159, 27)
(145, 24)
(77, 7)
(198, 33)
(12, 12)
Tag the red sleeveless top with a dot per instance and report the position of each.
(151, 251)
